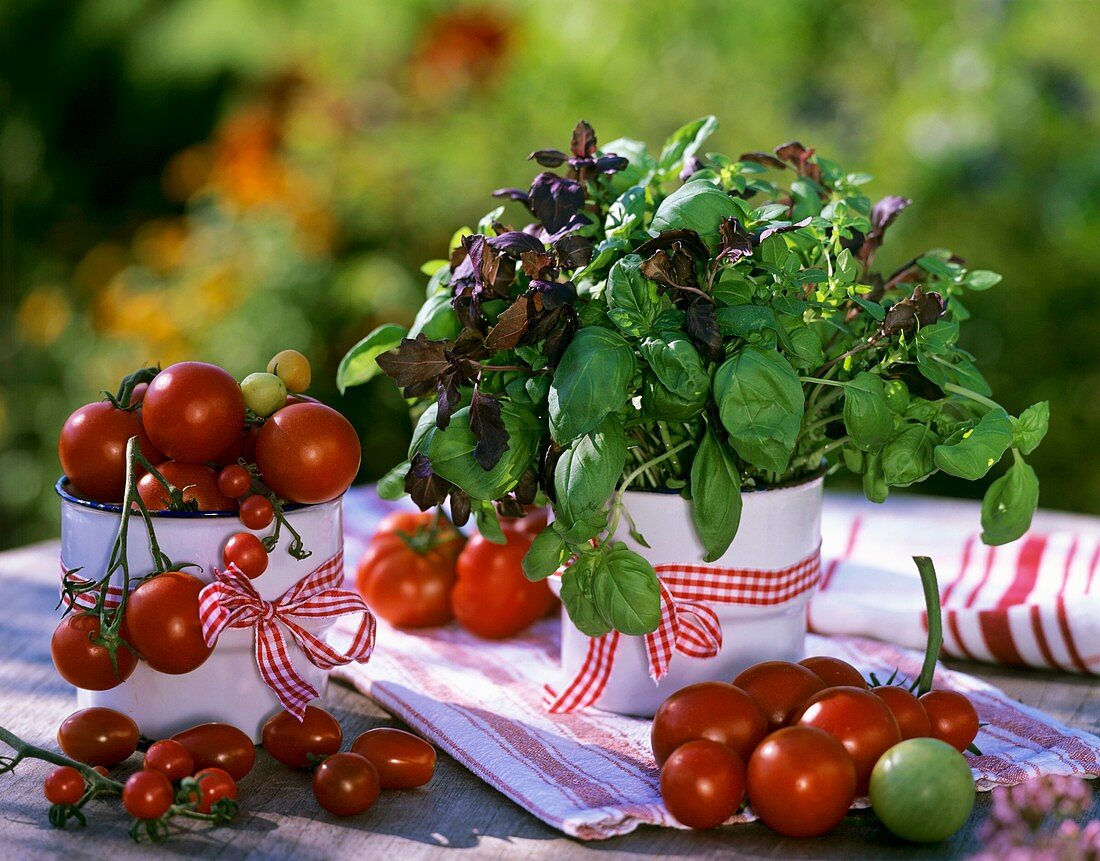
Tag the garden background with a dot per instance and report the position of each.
(221, 179)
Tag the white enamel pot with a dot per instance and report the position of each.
(227, 688)
(779, 528)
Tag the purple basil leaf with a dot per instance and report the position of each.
(702, 327)
(919, 385)
(449, 399)
(460, 507)
(526, 488)
(553, 346)
(583, 144)
(764, 158)
(882, 216)
(611, 163)
(488, 427)
(549, 455)
(671, 268)
(415, 361)
(553, 294)
(783, 228)
(555, 201)
(548, 157)
(511, 325)
(425, 487)
(688, 240)
(543, 323)
(516, 194)
(516, 243)
(575, 222)
(735, 240)
(509, 506)
(923, 308)
(536, 263)
(573, 252)
(491, 271)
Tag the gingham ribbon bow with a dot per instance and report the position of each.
(231, 601)
(688, 623)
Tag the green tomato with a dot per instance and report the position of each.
(263, 393)
(922, 790)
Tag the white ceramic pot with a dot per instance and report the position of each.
(779, 528)
(227, 688)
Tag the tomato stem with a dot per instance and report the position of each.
(935, 623)
(26, 750)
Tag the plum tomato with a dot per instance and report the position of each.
(83, 662)
(193, 411)
(906, 709)
(257, 512)
(801, 781)
(859, 720)
(170, 758)
(263, 393)
(247, 552)
(198, 482)
(214, 784)
(292, 368)
(922, 790)
(64, 785)
(779, 688)
(402, 760)
(219, 745)
(291, 741)
(163, 625)
(147, 794)
(98, 736)
(345, 784)
(951, 718)
(234, 481)
(92, 449)
(713, 710)
(834, 671)
(703, 783)
(308, 453)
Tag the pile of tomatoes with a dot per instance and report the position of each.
(802, 741)
(419, 572)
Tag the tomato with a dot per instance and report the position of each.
(263, 393)
(99, 769)
(193, 411)
(257, 512)
(423, 528)
(406, 578)
(214, 785)
(163, 624)
(234, 481)
(98, 736)
(291, 742)
(308, 453)
(300, 399)
(703, 783)
(345, 784)
(951, 718)
(801, 781)
(534, 521)
(92, 449)
(906, 709)
(82, 662)
(922, 790)
(859, 720)
(402, 760)
(147, 795)
(243, 448)
(199, 484)
(292, 368)
(64, 785)
(491, 597)
(713, 710)
(834, 671)
(219, 745)
(779, 688)
(247, 552)
(170, 758)
(137, 395)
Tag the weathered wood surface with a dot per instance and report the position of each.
(457, 815)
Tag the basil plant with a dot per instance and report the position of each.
(690, 322)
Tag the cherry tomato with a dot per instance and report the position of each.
(170, 758)
(234, 481)
(951, 717)
(99, 769)
(703, 783)
(98, 736)
(300, 399)
(82, 662)
(163, 624)
(713, 710)
(263, 393)
(801, 781)
(834, 671)
(147, 795)
(199, 484)
(64, 785)
(491, 597)
(402, 760)
(922, 790)
(137, 395)
(906, 709)
(257, 512)
(193, 411)
(92, 449)
(247, 552)
(214, 785)
(292, 368)
(345, 784)
(291, 741)
(779, 688)
(859, 720)
(219, 745)
(308, 453)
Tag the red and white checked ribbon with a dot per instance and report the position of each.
(231, 601)
(86, 600)
(688, 624)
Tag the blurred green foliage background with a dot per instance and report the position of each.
(220, 179)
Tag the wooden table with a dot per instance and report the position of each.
(457, 815)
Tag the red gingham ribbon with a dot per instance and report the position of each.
(688, 623)
(231, 601)
(86, 600)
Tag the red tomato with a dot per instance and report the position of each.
(99, 769)
(308, 453)
(951, 717)
(534, 521)
(243, 448)
(170, 758)
(345, 784)
(199, 484)
(859, 720)
(163, 625)
(64, 785)
(422, 528)
(92, 449)
(193, 411)
(234, 481)
(906, 709)
(834, 671)
(147, 795)
(98, 736)
(257, 512)
(492, 598)
(247, 552)
(219, 745)
(291, 741)
(779, 688)
(138, 393)
(81, 661)
(712, 710)
(801, 781)
(703, 783)
(214, 785)
(402, 760)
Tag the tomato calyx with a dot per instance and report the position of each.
(431, 535)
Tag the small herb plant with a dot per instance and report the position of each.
(688, 322)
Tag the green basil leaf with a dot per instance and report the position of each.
(773, 253)
(685, 142)
(488, 524)
(715, 495)
(658, 402)
(580, 532)
(632, 301)
(360, 362)
(1030, 428)
(1009, 504)
(907, 457)
(733, 288)
(875, 487)
(978, 449)
(392, 484)
(802, 344)
(626, 591)
(677, 364)
(982, 279)
(698, 206)
(589, 470)
(938, 337)
(577, 598)
(590, 382)
(867, 416)
(743, 320)
(423, 425)
(436, 319)
(626, 214)
(545, 556)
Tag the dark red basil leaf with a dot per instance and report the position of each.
(573, 252)
(548, 157)
(526, 488)
(735, 240)
(511, 325)
(766, 159)
(583, 144)
(783, 228)
(611, 163)
(425, 487)
(672, 268)
(449, 399)
(702, 327)
(509, 506)
(536, 264)
(556, 201)
(516, 243)
(549, 295)
(688, 240)
(516, 194)
(414, 361)
(460, 507)
(488, 428)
